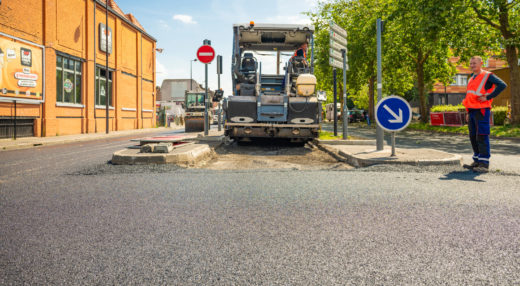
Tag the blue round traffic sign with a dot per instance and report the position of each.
(393, 113)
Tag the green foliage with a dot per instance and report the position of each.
(326, 135)
(499, 115)
(447, 108)
(499, 112)
(360, 97)
(441, 129)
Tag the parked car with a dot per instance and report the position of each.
(355, 115)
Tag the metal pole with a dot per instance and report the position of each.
(335, 104)
(191, 75)
(278, 62)
(345, 107)
(393, 144)
(219, 107)
(379, 131)
(206, 99)
(219, 71)
(14, 121)
(106, 72)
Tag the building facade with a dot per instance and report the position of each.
(52, 63)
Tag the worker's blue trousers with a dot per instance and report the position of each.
(479, 126)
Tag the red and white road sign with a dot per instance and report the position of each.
(206, 54)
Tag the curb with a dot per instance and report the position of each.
(345, 142)
(196, 154)
(455, 160)
(188, 157)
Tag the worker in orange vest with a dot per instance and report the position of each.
(301, 52)
(483, 86)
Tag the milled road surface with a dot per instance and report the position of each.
(68, 217)
(272, 154)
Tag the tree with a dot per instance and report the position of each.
(358, 17)
(503, 16)
(422, 30)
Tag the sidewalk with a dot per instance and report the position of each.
(30, 142)
(363, 153)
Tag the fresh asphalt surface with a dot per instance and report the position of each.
(69, 217)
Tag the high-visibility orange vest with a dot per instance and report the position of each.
(304, 53)
(476, 87)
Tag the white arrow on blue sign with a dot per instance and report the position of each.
(393, 113)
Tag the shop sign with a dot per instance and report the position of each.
(103, 33)
(26, 57)
(11, 54)
(24, 76)
(68, 85)
(26, 83)
(28, 76)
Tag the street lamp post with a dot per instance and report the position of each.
(191, 76)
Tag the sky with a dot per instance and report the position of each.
(180, 27)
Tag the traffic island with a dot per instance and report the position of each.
(184, 149)
(364, 155)
(183, 155)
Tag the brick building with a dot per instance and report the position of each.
(52, 64)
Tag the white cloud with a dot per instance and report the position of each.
(186, 19)
(164, 25)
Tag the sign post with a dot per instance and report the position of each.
(379, 132)
(338, 59)
(206, 54)
(393, 114)
(219, 72)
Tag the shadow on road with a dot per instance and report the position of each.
(462, 176)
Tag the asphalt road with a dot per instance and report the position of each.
(69, 217)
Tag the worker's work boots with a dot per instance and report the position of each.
(481, 168)
(471, 166)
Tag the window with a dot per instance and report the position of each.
(460, 80)
(101, 93)
(68, 80)
(443, 99)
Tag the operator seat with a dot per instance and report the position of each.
(297, 66)
(248, 68)
(248, 71)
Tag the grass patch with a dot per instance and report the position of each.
(497, 131)
(326, 135)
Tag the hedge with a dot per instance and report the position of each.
(499, 112)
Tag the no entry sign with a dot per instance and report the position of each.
(205, 54)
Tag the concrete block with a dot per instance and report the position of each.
(148, 148)
(163, 148)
